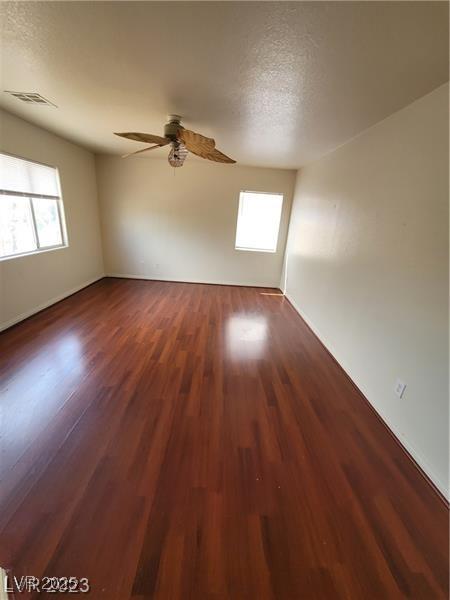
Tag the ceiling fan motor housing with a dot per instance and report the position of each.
(171, 128)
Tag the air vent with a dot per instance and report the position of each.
(31, 98)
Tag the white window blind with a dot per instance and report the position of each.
(31, 209)
(258, 221)
(27, 178)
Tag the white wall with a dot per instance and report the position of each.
(182, 226)
(31, 282)
(367, 266)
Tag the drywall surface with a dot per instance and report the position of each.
(29, 283)
(367, 267)
(180, 225)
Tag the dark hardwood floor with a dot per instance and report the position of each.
(179, 441)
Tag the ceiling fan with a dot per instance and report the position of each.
(181, 141)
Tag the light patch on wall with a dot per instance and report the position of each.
(306, 241)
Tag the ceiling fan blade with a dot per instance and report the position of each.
(218, 156)
(148, 138)
(142, 150)
(195, 142)
(215, 155)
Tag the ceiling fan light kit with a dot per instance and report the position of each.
(177, 154)
(182, 142)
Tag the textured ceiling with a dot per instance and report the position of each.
(275, 83)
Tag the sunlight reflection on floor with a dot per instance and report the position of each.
(246, 336)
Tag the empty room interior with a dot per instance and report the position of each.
(224, 287)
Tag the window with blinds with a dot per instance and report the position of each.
(31, 208)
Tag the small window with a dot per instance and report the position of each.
(258, 221)
(31, 209)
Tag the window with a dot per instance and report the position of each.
(258, 221)
(31, 210)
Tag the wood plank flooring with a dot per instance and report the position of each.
(181, 441)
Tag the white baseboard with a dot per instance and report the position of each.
(415, 454)
(209, 281)
(48, 303)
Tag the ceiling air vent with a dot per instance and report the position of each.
(31, 98)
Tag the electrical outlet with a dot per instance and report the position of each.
(399, 388)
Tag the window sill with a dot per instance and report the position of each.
(255, 250)
(33, 252)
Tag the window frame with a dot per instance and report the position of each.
(240, 248)
(31, 196)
